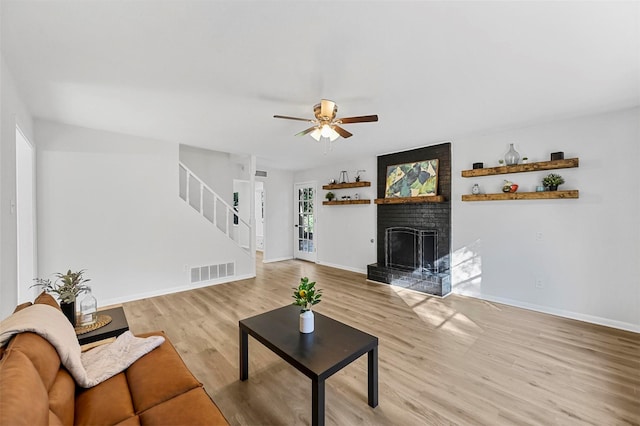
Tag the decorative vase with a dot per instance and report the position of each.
(306, 322)
(69, 311)
(88, 309)
(511, 157)
(476, 189)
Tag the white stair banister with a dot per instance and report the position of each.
(218, 202)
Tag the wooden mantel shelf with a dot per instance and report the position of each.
(521, 168)
(343, 202)
(410, 200)
(346, 185)
(546, 195)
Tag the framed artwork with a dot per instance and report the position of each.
(417, 179)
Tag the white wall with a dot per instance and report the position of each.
(344, 233)
(588, 256)
(12, 111)
(109, 203)
(278, 216)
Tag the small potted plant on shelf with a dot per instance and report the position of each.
(552, 181)
(67, 286)
(525, 160)
(330, 196)
(306, 295)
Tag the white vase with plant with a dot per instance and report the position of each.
(306, 295)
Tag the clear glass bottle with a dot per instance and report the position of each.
(511, 157)
(88, 309)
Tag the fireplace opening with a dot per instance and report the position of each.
(411, 249)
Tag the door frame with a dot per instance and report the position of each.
(297, 254)
(24, 292)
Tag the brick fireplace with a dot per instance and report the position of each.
(414, 240)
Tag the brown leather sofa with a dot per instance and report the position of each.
(158, 389)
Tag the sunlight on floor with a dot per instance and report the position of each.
(466, 269)
(438, 314)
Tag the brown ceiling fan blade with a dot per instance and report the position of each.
(327, 108)
(307, 131)
(361, 119)
(342, 132)
(308, 120)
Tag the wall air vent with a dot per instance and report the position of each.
(261, 173)
(212, 272)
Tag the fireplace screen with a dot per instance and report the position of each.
(411, 249)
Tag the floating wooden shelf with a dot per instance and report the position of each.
(346, 185)
(521, 168)
(546, 195)
(410, 200)
(339, 203)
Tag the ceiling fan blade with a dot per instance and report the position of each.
(308, 120)
(307, 131)
(361, 119)
(327, 108)
(342, 132)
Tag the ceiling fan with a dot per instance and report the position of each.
(326, 124)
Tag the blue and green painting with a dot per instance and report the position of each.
(419, 179)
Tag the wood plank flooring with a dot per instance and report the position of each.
(457, 360)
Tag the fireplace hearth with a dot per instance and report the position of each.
(414, 239)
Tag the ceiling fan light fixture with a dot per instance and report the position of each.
(326, 130)
(326, 127)
(316, 134)
(334, 135)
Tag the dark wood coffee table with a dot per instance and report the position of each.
(317, 355)
(116, 327)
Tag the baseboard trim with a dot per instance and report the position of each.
(345, 268)
(171, 290)
(277, 259)
(557, 312)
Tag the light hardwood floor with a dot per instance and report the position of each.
(456, 360)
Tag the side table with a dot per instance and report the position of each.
(116, 327)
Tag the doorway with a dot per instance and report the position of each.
(25, 217)
(304, 244)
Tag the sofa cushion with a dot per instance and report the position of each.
(62, 397)
(22, 306)
(46, 299)
(54, 420)
(131, 421)
(158, 376)
(23, 397)
(108, 403)
(41, 353)
(190, 408)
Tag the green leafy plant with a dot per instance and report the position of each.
(67, 286)
(552, 179)
(330, 196)
(306, 294)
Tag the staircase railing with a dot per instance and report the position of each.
(212, 207)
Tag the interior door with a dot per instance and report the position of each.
(304, 245)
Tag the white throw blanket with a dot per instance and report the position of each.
(89, 368)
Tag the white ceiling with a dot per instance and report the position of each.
(213, 73)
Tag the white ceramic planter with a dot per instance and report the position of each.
(306, 322)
